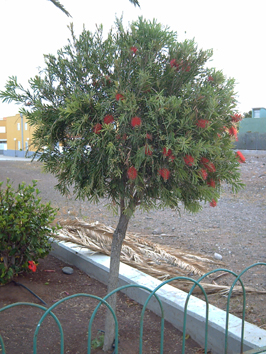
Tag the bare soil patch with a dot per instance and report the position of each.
(17, 325)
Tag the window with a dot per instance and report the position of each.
(18, 126)
(18, 145)
(256, 113)
(26, 145)
(26, 126)
(2, 129)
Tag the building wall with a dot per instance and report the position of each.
(3, 134)
(19, 133)
(252, 134)
(258, 111)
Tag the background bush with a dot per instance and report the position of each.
(24, 227)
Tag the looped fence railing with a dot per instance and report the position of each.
(151, 294)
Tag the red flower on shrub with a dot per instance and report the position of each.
(203, 173)
(236, 117)
(118, 97)
(108, 119)
(148, 151)
(167, 152)
(171, 158)
(97, 128)
(148, 136)
(132, 173)
(207, 164)
(189, 160)
(211, 183)
(233, 132)
(210, 78)
(174, 64)
(133, 49)
(32, 266)
(165, 173)
(213, 203)
(135, 121)
(240, 156)
(202, 123)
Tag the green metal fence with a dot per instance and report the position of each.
(150, 294)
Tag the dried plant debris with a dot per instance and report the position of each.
(159, 261)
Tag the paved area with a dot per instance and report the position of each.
(11, 158)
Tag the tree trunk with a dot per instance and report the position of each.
(118, 238)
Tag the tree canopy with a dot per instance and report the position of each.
(137, 115)
(137, 118)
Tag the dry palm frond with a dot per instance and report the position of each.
(159, 261)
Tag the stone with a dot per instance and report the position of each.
(218, 256)
(157, 231)
(67, 270)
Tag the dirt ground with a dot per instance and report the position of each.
(235, 228)
(17, 325)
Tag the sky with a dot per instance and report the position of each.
(234, 29)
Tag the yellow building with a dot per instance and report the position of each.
(18, 135)
(3, 134)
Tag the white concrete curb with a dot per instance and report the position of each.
(173, 300)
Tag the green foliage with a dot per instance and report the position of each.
(24, 227)
(98, 341)
(247, 114)
(184, 107)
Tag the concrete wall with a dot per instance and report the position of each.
(17, 153)
(252, 134)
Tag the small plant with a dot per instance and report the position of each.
(24, 227)
(98, 341)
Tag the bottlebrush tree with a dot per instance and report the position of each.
(141, 121)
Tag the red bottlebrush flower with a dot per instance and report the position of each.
(135, 121)
(132, 173)
(207, 164)
(124, 137)
(108, 119)
(32, 266)
(233, 132)
(97, 128)
(148, 136)
(203, 173)
(167, 152)
(133, 49)
(185, 66)
(165, 173)
(219, 135)
(211, 183)
(171, 158)
(148, 151)
(210, 78)
(213, 203)
(189, 160)
(118, 97)
(236, 117)
(174, 64)
(240, 156)
(202, 123)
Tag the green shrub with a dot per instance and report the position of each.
(24, 227)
